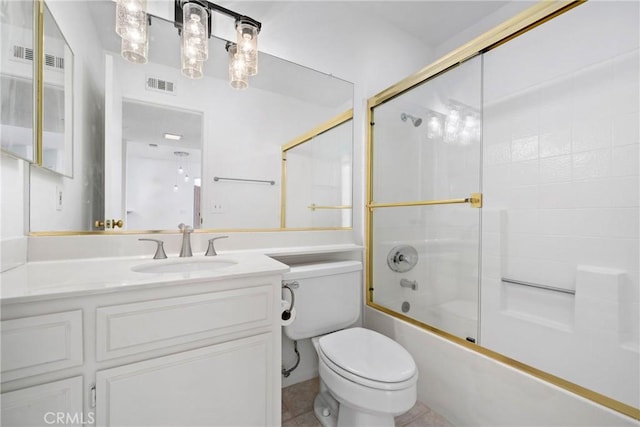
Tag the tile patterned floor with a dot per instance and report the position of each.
(297, 409)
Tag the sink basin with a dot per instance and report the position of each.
(183, 266)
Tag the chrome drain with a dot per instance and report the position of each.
(406, 307)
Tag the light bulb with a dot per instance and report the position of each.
(180, 170)
(186, 178)
(175, 187)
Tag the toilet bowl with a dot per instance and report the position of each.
(366, 378)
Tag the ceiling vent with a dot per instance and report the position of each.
(53, 61)
(25, 54)
(159, 85)
(21, 53)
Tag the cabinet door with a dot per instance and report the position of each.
(221, 385)
(59, 403)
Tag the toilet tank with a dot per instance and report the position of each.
(328, 297)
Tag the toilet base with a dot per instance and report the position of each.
(325, 408)
(330, 413)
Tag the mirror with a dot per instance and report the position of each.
(17, 79)
(242, 132)
(317, 172)
(57, 96)
(162, 181)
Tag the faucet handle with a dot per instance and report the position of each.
(185, 228)
(160, 254)
(211, 250)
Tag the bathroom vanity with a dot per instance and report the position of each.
(117, 342)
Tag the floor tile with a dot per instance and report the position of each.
(297, 409)
(298, 398)
(413, 413)
(308, 420)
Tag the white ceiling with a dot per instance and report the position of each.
(432, 22)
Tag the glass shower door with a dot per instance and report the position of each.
(423, 213)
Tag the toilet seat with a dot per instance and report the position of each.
(368, 358)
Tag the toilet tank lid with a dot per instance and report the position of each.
(317, 269)
(368, 354)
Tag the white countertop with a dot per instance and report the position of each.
(43, 280)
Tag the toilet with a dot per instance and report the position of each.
(366, 379)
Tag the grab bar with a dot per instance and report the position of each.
(539, 286)
(219, 178)
(475, 201)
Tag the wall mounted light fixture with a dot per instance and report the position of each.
(192, 18)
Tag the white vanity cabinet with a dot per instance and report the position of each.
(225, 385)
(181, 354)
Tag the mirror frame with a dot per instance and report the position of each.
(318, 130)
(512, 28)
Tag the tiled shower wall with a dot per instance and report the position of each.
(561, 186)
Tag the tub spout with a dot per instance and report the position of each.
(406, 283)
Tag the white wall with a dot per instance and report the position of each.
(14, 179)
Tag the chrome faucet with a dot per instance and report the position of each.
(185, 249)
(211, 250)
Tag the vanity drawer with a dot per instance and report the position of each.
(39, 344)
(128, 329)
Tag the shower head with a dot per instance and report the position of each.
(417, 121)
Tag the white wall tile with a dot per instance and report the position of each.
(525, 148)
(592, 164)
(555, 141)
(555, 169)
(625, 129)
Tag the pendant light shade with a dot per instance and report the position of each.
(247, 33)
(131, 20)
(195, 32)
(238, 78)
(136, 52)
(192, 68)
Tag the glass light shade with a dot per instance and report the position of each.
(131, 20)
(248, 45)
(195, 31)
(136, 52)
(238, 78)
(192, 68)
